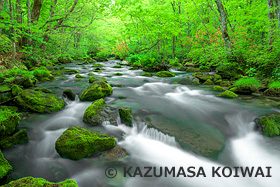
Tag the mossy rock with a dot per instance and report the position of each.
(118, 74)
(165, 74)
(97, 65)
(97, 78)
(217, 77)
(5, 167)
(16, 90)
(269, 124)
(98, 112)
(114, 155)
(228, 94)
(37, 101)
(25, 82)
(69, 94)
(196, 81)
(116, 85)
(117, 66)
(98, 71)
(125, 115)
(4, 88)
(134, 68)
(40, 182)
(146, 74)
(45, 90)
(218, 82)
(208, 82)
(95, 91)
(225, 83)
(91, 74)
(192, 69)
(71, 71)
(9, 119)
(5, 96)
(272, 92)
(19, 137)
(64, 60)
(218, 88)
(203, 77)
(204, 69)
(44, 77)
(79, 76)
(77, 143)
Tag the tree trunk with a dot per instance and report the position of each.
(36, 10)
(271, 19)
(19, 20)
(277, 10)
(12, 30)
(1, 9)
(223, 23)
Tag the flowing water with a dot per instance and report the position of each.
(186, 112)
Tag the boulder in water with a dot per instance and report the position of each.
(228, 94)
(218, 88)
(77, 143)
(69, 94)
(125, 115)
(19, 137)
(165, 74)
(5, 167)
(147, 74)
(114, 155)
(37, 101)
(269, 124)
(97, 90)
(97, 78)
(9, 120)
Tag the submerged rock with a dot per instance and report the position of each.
(40, 102)
(17, 138)
(98, 112)
(118, 74)
(228, 94)
(79, 76)
(71, 71)
(69, 94)
(77, 143)
(5, 167)
(97, 78)
(117, 66)
(269, 124)
(40, 182)
(165, 74)
(9, 120)
(218, 88)
(125, 115)
(114, 155)
(95, 91)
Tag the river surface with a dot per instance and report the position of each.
(186, 109)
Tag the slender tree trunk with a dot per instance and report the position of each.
(29, 21)
(271, 19)
(19, 20)
(223, 23)
(277, 10)
(12, 30)
(1, 9)
(36, 10)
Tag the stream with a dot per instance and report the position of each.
(188, 112)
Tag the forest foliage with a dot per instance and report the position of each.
(241, 36)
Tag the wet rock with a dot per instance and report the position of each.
(64, 60)
(99, 112)
(203, 77)
(218, 88)
(45, 90)
(228, 94)
(116, 85)
(90, 74)
(272, 92)
(97, 78)
(77, 80)
(114, 155)
(37, 101)
(134, 68)
(225, 83)
(77, 143)
(26, 82)
(69, 94)
(246, 90)
(5, 167)
(71, 71)
(165, 74)
(40, 182)
(146, 74)
(95, 91)
(269, 124)
(208, 82)
(117, 66)
(79, 76)
(192, 69)
(9, 120)
(98, 65)
(125, 115)
(118, 74)
(19, 137)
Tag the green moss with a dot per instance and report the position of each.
(275, 84)
(95, 91)
(147, 74)
(16, 90)
(17, 138)
(9, 120)
(45, 90)
(77, 143)
(97, 71)
(71, 71)
(4, 88)
(97, 78)
(125, 115)
(40, 102)
(217, 77)
(5, 167)
(93, 111)
(196, 81)
(165, 74)
(117, 66)
(134, 68)
(218, 88)
(79, 76)
(208, 82)
(273, 89)
(91, 74)
(203, 77)
(69, 94)
(228, 94)
(40, 182)
(6, 96)
(225, 83)
(118, 74)
(248, 82)
(192, 69)
(116, 85)
(97, 65)
(77, 80)
(270, 125)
